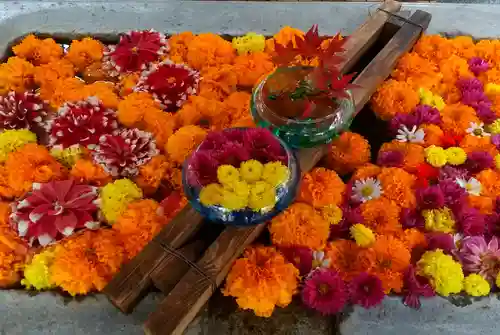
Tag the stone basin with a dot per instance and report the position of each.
(48, 313)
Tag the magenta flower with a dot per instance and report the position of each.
(415, 287)
(478, 161)
(350, 216)
(300, 257)
(264, 146)
(390, 158)
(426, 114)
(325, 291)
(202, 169)
(478, 65)
(366, 290)
(441, 241)
(232, 153)
(470, 220)
(454, 195)
(452, 172)
(492, 225)
(495, 139)
(411, 219)
(475, 99)
(469, 84)
(486, 114)
(401, 119)
(480, 257)
(430, 197)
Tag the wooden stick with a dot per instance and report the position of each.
(180, 307)
(130, 284)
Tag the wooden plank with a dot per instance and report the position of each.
(129, 285)
(180, 307)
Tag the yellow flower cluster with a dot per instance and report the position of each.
(445, 274)
(476, 286)
(497, 161)
(439, 157)
(249, 43)
(363, 235)
(494, 128)
(428, 98)
(68, 156)
(12, 140)
(116, 196)
(439, 220)
(37, 273)
(492, 88)
(253, 185)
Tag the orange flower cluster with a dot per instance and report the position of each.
(394, 97)
(321, 187)
(14, 253)
(86, 171)
(413, 154)
(348, 152)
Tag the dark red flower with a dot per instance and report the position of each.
(136, 50)
(264, 146)
(450, 140)
(54, 210)
(22, 111)
(411, 218)
(470, 221)
(232, 153)
(415, 287)
(325, 291)
(171, 205)
(122, 153)
(431, 197)
(81, 123)
(300, 257)
(202, 169)
(441, 241)
(171, 84)
(427, 171)
(366, 290)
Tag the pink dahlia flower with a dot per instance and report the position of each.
(480, 257)
(54, 210)
(325, 291)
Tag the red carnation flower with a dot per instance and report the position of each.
(366, 290)
(171, 84)
(325, 291)
(136, 50)
(22, 111)
(122, 153)
(81, 123)
(54, 210)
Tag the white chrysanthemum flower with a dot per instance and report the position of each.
(471, 185)
(319, 260)
(366, 189)
(413, 136)
(477, 129)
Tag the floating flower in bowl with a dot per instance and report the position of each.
(241, 176)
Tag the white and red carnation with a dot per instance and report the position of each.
(22, 111)
(81, 123)
(171, 84)
(54, 210)
(136, 50)
(122, 153)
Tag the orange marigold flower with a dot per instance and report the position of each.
(413, 154)
(245, 122)
(105, 91)
(485, 205)
(368, 170)
(321, 187)
(464, 46)
(183, 142)
(251, 67)
(32, 163)
(151, 174)
(133, 107)
(348, 152)
(237, 106)
(261, 280)
(394, 97)
(434, 48)
(85, 171)
(85, 52)
(490, 182)
(4, 214)
(179, 46)
(397, 186)
(95, 72)
(488, 50)
(472, 143)
(209, 49)
(137, 226)
(490, 76)
(63, 90)
(381, 215)
(204, 112)
(38, 51)
(127, 83)
(433, 135)
(343, 255)
(16, 75)
(160, 124)
(286, 35)
(454, 68)
(416, 71)
(299, 225)
(457, 118)
(87, 261)
(389, 258)
(47, 75)
(450, 93)
(413, 238)
(218, 82)
(13, 256)
(495, 99)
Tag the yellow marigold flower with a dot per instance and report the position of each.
(262, 196)
(239, 187)
(494, 128)
(492, 88)
(12, 140)
(227, 174)
(68, 156)
(436, 156)
(37, 273)
(249, 43)
(331, 213)
(275, 173)
(455, 156)
(444, 273)
(497, 161)
(363, 235)
(428, 98)
(251, 170)
(211, 195)
(116, 196)
(439, 220)
(476, 286)
(497, 281)
(232, 201)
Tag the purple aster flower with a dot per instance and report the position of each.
(476, 99)
(480, 257)
(478, 161)
(486, 114)
(454, 195)
(441, 241)
(470, 84)
(430, 197)
(478, 65)
(390, 158)
(415, 287)
(411, 219)
(401, 119)
(495, 139)
(470, 220)
(427, 114)
(452, 172)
